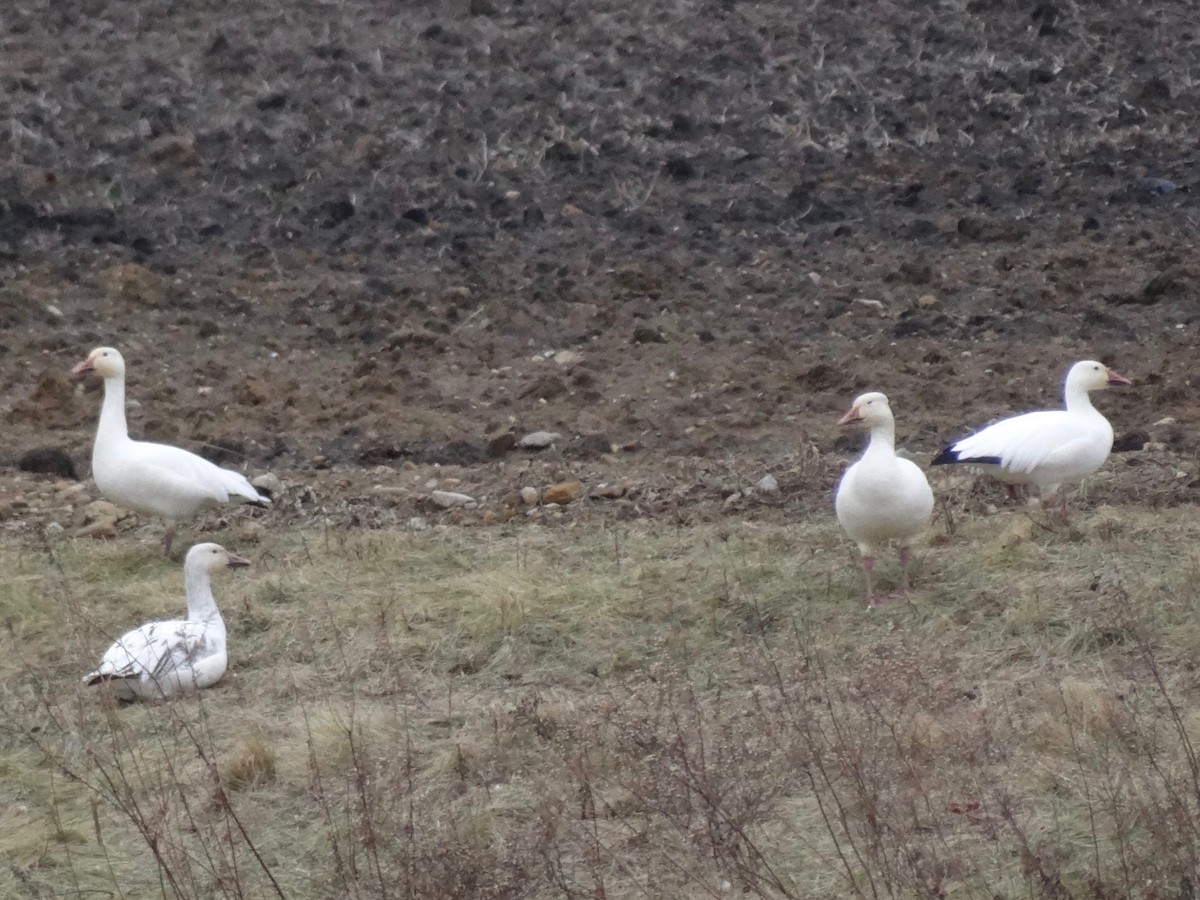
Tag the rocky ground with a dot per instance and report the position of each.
(368, 249)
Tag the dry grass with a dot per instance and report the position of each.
(620, 711)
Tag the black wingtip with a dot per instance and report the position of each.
(948, 456)
(945, 458)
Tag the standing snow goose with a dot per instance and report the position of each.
(153, 479)
(882, 497)
(161, 659)
(1049, 448)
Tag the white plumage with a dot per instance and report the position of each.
(1050, 448)
(882, 498)
(160, 659)
(149, 478)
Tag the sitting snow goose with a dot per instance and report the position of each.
(1048, 448)
(161, 659)
(153, 479)
(882, 497)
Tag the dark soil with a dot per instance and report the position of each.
(334, 237)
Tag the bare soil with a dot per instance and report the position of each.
(344, 242)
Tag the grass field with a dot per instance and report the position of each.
(620, 710)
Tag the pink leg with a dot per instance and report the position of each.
(168, 539)
(905, 555)
(869, 569)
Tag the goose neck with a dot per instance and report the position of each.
(112, 413)
(882, 441)
(201, 605)
(1078, 400)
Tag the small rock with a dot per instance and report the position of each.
(562, 493)
(416, 523)
(98, 510)
(48, 461)
(501, 444)
(1154, 185)
(1166, 420)
(268, 484)
(530, 495)
(646, 335)
(768, 485)
(451, 499)
(1133, 440)
(568, 358)
(538, 440)
(101, 530)
(54, 532)
(925, 301)
(605, 491)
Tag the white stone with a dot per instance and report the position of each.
(768, 485)
(268, 481)
(538, 440)
(450, 499)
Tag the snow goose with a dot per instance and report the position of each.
(153, 479)
(160, 659)
(882, 497)
(1047, 448)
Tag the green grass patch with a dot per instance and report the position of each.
(619, 711)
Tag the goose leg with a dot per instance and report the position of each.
(168, 538)
(868, 568)
(905, 555)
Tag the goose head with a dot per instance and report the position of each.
(104, 361)
(870, 409)
(1090, 375)
(212, 558)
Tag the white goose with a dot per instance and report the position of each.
(1049, 448)
(153, 479)
(882, 497)
(160, 659)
